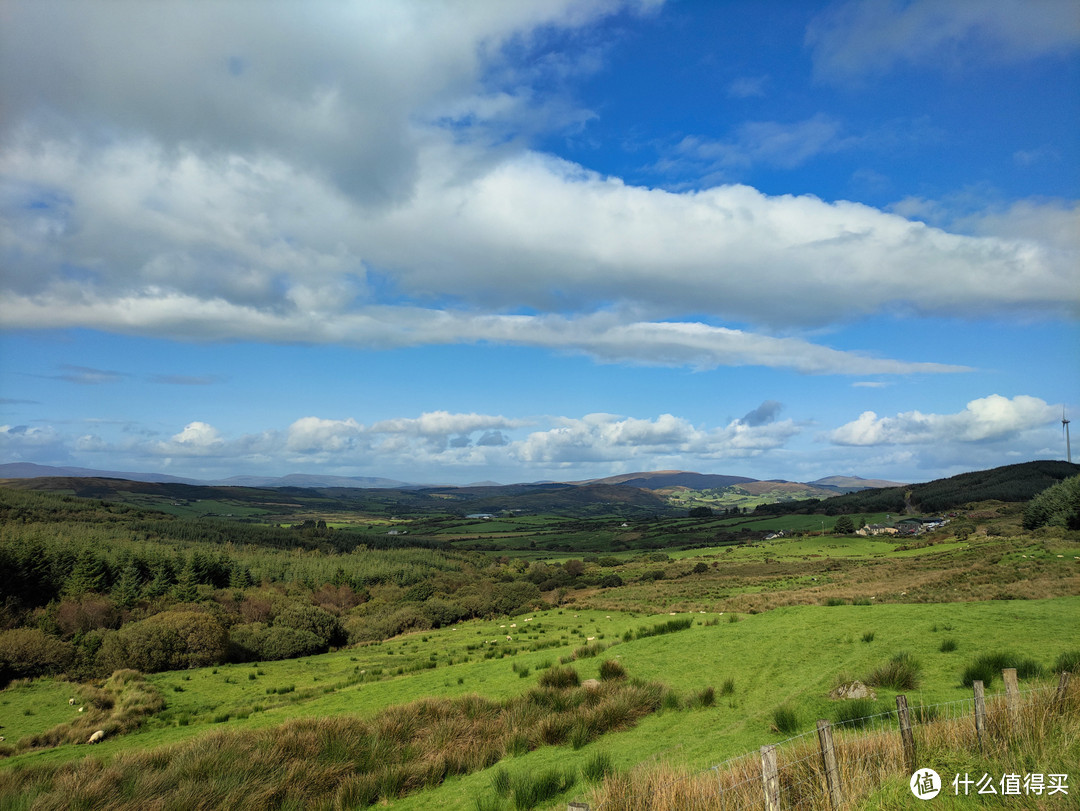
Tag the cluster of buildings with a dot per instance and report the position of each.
(905, 526)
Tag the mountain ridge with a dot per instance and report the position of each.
(647, 480)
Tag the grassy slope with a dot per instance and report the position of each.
(791, 655)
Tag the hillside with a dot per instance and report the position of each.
(1013, 483)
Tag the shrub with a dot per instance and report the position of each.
(28, 652)
(314, 620)
(786, 720)
(899, 673)
(171, 640)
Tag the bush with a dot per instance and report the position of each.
(171, 640)
(28, 652)
(314, 620)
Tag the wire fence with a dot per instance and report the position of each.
(819, 769)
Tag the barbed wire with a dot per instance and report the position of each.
(806, 791)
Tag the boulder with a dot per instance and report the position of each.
(853, 689)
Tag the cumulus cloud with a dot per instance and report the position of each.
(436, 442)
(988, 419)
(859, 37)
(239, 189)
(317, 435)
(608, 437)
(197, 439)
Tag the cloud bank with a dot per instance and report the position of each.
(361, 176)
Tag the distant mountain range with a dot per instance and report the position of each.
(646, 480)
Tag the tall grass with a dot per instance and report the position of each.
(122, 704)
(873, 774)
(345, 761)
(988, 666)
(901, 672)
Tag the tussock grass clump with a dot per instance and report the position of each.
(597, 767)
(120, 705)
(706, 697)
(559, 678)
(1068, 662)
(855, 713)
(947, 645)
(901, 672)
(728, 687)
(868, 636)
(346, 761)
(987, 667)
(786, 720)
(611, 669)
(668, 627)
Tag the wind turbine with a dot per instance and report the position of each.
(1065, 430)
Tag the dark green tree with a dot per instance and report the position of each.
(844, 525)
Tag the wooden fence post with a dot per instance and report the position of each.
(828, 760)
(905, 732)
(1012, 696)
(1063, 685)
(980, 712)
(770, 778)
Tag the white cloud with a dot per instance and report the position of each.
(988, 419)
(238, 188)
(857, 38)
(317, 435)
(197, 439)
(608, 437)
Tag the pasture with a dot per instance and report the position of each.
(791, 657)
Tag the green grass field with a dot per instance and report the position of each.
(789, 656)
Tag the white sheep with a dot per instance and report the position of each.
(97, 736)
(81, 709)
(71, 701)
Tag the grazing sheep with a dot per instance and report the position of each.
(71, 701)
(81, 709)
(1, 739)
(97, 736)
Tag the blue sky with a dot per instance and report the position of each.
(500, 241)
